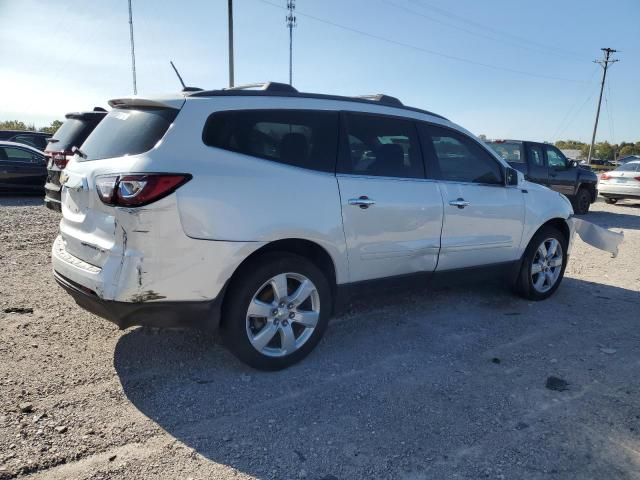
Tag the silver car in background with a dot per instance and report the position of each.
(621, 183)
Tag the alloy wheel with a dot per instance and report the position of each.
(547, 265)
(283, 314)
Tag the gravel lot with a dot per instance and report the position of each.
(447, 382)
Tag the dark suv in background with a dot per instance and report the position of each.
(33, 139)
(545, 164)
(73, 132)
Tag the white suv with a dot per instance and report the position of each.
(256, 210)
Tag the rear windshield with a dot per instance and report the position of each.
(71, 134)
(510, 151)
(127, 132)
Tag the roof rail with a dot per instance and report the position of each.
(382, 98)
(265, 87)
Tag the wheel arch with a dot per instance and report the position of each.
(308, 249)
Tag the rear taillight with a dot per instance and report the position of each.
(637, 178)
(138, 190)
(604, 176)
(60, 159)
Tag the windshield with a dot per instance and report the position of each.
(511, 151)
(127, 132)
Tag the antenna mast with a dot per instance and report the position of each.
(133, 51)
(291, 22)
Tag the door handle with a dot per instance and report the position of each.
(460, 203)
(363, 202)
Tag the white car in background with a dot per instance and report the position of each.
(621, 183)
(255, 211)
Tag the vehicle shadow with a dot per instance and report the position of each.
(608, 219)
(21, 201)
(408, 385)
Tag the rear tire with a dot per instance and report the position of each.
(610, 201)
(582, 202)
(266, 321)
(550, 266)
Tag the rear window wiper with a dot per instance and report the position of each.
(79, 152)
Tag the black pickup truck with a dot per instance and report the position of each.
(545, 164)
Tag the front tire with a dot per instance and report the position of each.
(582, 202)
(276, 311)
(543, 264)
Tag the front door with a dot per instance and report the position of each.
(21, 170)
(392, 215)
(483, 218)
(562, 176)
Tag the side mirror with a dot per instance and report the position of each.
(511, 177)
(573, 163)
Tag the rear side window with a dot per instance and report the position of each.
(535, 156)
(629, 167)
(381, 146)
(127, 132)
(302, 138)
(458, 158)
(511, 151)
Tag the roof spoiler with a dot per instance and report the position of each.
(133, 102)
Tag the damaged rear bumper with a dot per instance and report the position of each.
(185, 314)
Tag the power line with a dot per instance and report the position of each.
(425, 50)
(566, 118)
(470, 32)
(518, 38)
(607, 96)
(604, 63)
(575, 115)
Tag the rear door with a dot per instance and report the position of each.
(483, 218)
(563, 177)
(392, 215)
(538, 171)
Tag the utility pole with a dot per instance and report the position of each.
(230, 9)
(133, 51)
(604, 63)
(291, 22)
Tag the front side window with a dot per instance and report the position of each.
(381, 146)
(302, 138)
(457, 158)
(555, 159)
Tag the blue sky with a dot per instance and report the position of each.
(66, 55)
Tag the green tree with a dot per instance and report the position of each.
(51, 129)
(16, 125)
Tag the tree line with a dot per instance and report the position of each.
(18, 125)
(602, 150)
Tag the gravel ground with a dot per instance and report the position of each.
(447, 382)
